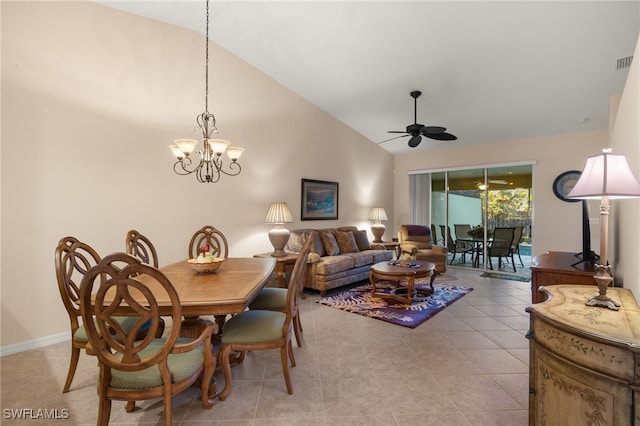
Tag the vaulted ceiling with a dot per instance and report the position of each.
(488, 71)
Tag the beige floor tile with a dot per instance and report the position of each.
(495, 361)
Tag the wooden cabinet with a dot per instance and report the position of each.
(558, 267)
(584, 366)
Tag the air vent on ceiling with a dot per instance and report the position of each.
(622, 63)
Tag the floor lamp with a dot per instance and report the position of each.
(605, 176)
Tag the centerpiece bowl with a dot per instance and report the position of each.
(206, 267)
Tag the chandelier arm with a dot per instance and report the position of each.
(234, 169)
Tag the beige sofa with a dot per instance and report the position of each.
(416, 243)
(339, 256)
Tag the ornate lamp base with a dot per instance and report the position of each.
(603, 279)
(377, 229)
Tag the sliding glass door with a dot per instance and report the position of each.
(467, 205)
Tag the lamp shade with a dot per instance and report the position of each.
(608, 175)
(278, 213)
(378, 214)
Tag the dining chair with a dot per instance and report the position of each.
(137, 245)
(517, 237)
(455, 246)
(73, 259)
(130, 369)
(260, 330)
(275, 299)
(501, 246)
(434, 235)
(216, 240)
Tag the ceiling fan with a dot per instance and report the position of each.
(416, 131)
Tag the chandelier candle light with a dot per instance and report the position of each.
(377, 229)
(210, 167)
(279, 214)
(606, 176)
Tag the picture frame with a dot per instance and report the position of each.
(319, 200)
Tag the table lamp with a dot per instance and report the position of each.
(278, 214)
(377, 229)
(605, 176)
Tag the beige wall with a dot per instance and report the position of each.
(91, 101)
(625, 138)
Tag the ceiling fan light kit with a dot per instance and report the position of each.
(417, 131)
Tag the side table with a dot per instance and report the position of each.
(389, 245)
(283, 264)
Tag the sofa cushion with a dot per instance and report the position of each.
(346, 242)
(330, 244)
(296, 241)
(362, 241)
(318, 247)
(381, 255)
(334, 264)
(361, 258)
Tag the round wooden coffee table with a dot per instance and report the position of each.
(401, 271)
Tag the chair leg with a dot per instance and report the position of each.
(130, 406)
(73, 364)
(285, 366)
(205, 384)
(226, 370)
(104, 411)
(167, 406)
(297, 328)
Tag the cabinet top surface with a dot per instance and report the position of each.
(562, 262)
(566, 306)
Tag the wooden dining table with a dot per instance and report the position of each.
(228, 290)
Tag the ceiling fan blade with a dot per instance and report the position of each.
(415, 141)
(432, 130)
(442, 137)
(394, 138)
(396, 131)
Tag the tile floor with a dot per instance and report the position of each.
(468, 365)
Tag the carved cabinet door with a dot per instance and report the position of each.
(564, 393)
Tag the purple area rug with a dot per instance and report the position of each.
(358, 300)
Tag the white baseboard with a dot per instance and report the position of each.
(34, 344)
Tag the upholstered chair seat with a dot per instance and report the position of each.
(275, 299)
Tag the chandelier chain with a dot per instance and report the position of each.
(206, 65)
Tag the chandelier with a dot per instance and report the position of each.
(209, 168)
